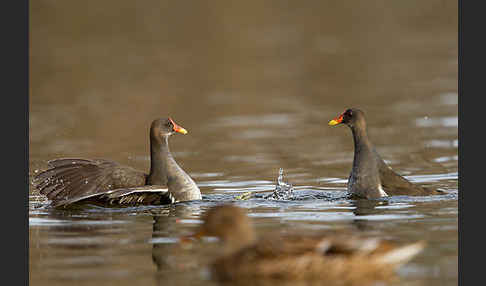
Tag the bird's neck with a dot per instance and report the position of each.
(362, 145)
(160, 161)
(164, 170)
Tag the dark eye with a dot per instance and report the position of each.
(349, 113)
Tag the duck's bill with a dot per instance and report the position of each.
(177, 128)
(336, 121)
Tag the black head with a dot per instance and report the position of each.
(165, 127)
(351, 117)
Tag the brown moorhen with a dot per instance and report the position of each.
(335, 258)
(371, 177)
(107, 182)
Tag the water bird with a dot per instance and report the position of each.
(370, 176)
(71, 180)
(326, 258)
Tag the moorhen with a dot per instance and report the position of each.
(107, 182)
(330, 257)
(370, 176)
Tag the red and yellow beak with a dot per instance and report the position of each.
(177, 128)
(336, 120)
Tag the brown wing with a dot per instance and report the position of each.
(280, 257)
(319, 244)
(70, 180)
(146, 195)
(395, 185)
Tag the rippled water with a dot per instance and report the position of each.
(255, 86)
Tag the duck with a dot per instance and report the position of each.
(326, 258)
(75, 180)
(371, 177)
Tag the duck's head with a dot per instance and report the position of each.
(230, 224)
(164, 127)
(352, 117)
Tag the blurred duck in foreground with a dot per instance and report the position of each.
(337, 259)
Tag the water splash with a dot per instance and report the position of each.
(283, 190)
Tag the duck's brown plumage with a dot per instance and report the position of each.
(336, 258)
(370, 176)
(71, 180)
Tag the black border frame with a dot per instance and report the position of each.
(15, 143)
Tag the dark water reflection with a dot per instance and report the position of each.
(255, 83)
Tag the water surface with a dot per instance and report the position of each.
(255, 84)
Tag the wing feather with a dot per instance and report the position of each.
(72, 179)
